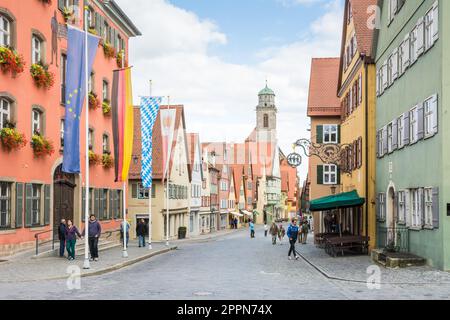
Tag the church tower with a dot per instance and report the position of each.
(266, 116)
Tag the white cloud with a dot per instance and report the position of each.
(220, 97)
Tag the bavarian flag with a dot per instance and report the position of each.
(122, 112)
(75, 92)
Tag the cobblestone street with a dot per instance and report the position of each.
(237, 267)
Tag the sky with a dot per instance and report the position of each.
(214, 56)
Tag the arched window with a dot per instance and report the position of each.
(266, 120)
(5, 31)
(5, 112)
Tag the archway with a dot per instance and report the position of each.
(63, 197)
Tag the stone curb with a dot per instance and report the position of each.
(105, 270)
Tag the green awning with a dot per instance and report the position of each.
(339, 201)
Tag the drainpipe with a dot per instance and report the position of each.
(367, 147)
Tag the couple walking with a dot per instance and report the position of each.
(68, 234)
(275, 232)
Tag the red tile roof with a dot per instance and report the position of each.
(361, 16)
(323, 85)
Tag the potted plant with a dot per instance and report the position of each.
(106, 107)
(107, 161)
(182, 231)
(94, 104)
(108, 50)
(67, 14)
(41, 76)
(11, 61)
(41, 146)
(94, 159)
(11, 139)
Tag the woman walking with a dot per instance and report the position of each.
(292, 234)
(71, 239)
(252, 229)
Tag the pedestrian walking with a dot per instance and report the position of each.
(62, 237)
(305, 231)
(274, 233)
(71, 234)
(141, 230)
(236, 223)
(252, 229)
(281, 233)
(266, 230)
(292, 233)
(94, 232)
(127, 232)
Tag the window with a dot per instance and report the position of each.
(5, 112)
(413, 45)
(413, 125)
(249, 200)
(330, 133)
(401, 207)
(390, 138)
(416, 209)
(223, 204)
(5, 32)
(429, 29)
(430, 116)
(63, 78)
(381, 143)
(105, 144)
(91, 82)
(36, 122)
(5, 205)
(105, 90)
(266, 121)
(104, 203)
(381, 206)
(249, 185)
(91, 139)
(36, 205)
(61, 135)
(36, 49)
(330, 174)
(428, 207)
(142, 192)
(400, 131)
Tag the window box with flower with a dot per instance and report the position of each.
(121, 62)
(107, 161)
(94, 103)
(109, 51)
(41, 76)
(41, 145)
(11, 61)
(106, 106)
(94, 159)
(11, 139)
(67, 14)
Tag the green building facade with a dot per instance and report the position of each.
(413, 128)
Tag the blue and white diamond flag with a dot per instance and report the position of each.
(149, 112)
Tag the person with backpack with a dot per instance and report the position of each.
(292, 233)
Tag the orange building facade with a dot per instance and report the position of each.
(34, 193)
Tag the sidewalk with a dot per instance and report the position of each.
(26, 269)
(354, 268)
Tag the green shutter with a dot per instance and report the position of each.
(111, 204)
(320, 174)
(319, 134)
(83, 204)
(19, 205)
(28, 204)
(96, 203)
(339, 134)
(47, 205)
(338, 175)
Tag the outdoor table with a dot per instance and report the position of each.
(334, 245)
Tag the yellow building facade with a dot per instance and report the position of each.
(357, 94)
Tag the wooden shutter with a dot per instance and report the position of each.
(422, 206)
(408, 215)
(397, 205)
(420, 37)
(406, 129)
(395, 65)
(28, 204)
(96, 207)
(360, 152)
(19, 205)
(435, 21)
(134, 192)
(406, 53)
(360, 85)
(394, 135)
(420, 122)
(320, 174)
(436, 208)
(47, 205)
(319, 134)
(339, 133)
(434, 104)
(338, 175)
(83, 204)
(384, 206)
(377, 82)
(378, 144)
(385, 140)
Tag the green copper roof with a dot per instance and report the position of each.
(266, 91)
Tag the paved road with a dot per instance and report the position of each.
(233, 267)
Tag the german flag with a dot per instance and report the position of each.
(122, 112)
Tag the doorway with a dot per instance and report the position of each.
(63, 197)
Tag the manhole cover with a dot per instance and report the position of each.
(203, 294)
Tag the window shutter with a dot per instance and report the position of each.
(47, 205)
(385, 77)
(28, 204)
(434, 104)
(83, 204)
(19, 205)
(397, 206)
(384, 206)
(378, 144)
(395, 65)
(360, 88)
(435, 21)
(394, 135)
(407, 211)
(378, 83)
(385, 140)
(377, 207)
(406, 129)
(420, 37)
(319, 134)
(360, 152)
(406, 53)
(320, 174)
(339, 134)
(61, 5)
(420, 122)
(422, 206)
(134, 187)
(436, 208)
(338, 175)
(96, 202)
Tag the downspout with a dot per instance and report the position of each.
(367, 147)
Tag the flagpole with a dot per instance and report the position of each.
(86, 264)
(150, 190)
(125, 252)
(167, 184)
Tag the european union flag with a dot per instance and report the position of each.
(75, 93)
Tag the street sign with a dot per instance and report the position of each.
(294, 160)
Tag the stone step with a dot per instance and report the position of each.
(397, 259)
(47, 251)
